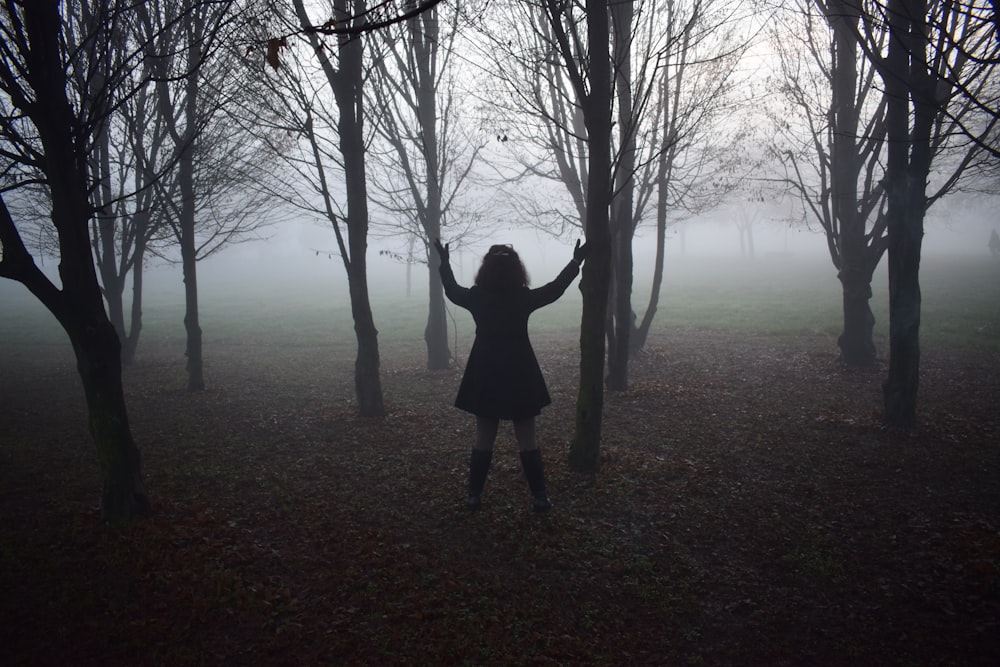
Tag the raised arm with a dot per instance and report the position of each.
(456, 293)
(546, 294)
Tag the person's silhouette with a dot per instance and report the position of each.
(502, 378)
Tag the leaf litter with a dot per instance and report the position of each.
(749, 509)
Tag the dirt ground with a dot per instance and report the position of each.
(750, 510)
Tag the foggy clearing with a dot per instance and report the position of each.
(749, 509)
(254, 254)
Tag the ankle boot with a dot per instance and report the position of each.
(531, 461)
(479, 468)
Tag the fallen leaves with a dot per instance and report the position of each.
(748, 511)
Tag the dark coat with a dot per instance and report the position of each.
(502, 379)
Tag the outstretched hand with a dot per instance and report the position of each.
(442, 250)
(580, 252)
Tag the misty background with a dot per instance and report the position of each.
(294, 268)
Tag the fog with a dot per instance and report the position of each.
(298, 259)
(301, 256)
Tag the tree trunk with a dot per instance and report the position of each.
(664, 169)
(857, 346)
(637, 341)
(104, 240)
(350, 101)
(346, 81)
(622, 316)
(367, 382)
(130, 343)
(112, 282)
(424, 33)
(622, 226)
(98, 358)
(192, 326)
(856, 342)
(411, 242)
(189, 250)
(436, 332)
(908, 165)
(584, 451)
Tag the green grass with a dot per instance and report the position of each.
(768, 296)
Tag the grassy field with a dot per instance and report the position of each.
(775, 296)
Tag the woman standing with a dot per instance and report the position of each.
(502, 379)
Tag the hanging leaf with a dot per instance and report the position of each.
(274, 45)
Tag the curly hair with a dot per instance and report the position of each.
(502, 269)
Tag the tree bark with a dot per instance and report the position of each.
(584, 451)
(664, 168)
(622, 227)
(130, 343)
(424, 32)
(186, 216)
(436, 332)
(857, 346)
(189, 265)
(637, 340)
(350, 101)
(856, 342)
(98, 358)
(908, 165)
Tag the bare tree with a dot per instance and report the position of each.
(47, 140)
(673, 69)
(208, 196)
(941, 113)
(420, 177)
(315, 97)
(128, 219)
(687, 141)
(831, 139)
(840, 167)
(556, 69)
(591, 80)
(938, 52)
(126, 166)
(620, 315)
